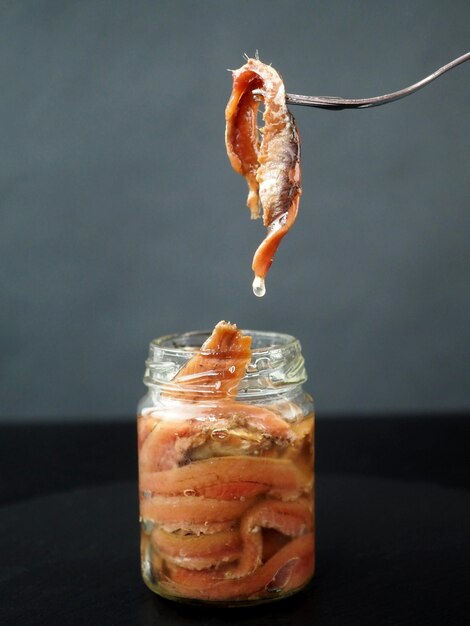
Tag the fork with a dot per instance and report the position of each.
(334, 103)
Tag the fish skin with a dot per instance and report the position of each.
(192, 512)
(271, 167)
(166, 443)
(297, 556)
(292, 519)
(270, 474)
(198, 551)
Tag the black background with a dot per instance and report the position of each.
(393, 548)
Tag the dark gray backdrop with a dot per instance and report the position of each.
(121, 218)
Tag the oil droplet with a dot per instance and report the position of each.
(219, 433)
(189, 492)
(259, 288)
(282, 576)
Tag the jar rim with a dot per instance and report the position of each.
(174, 344)
(276, 361)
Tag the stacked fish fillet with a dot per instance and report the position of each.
(226, 487)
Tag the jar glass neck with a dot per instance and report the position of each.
(276, 366)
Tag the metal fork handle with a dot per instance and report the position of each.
(334, 103)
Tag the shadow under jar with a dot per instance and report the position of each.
(226, 484)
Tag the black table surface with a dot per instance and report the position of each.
(393, 528)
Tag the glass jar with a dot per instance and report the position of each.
(226, 484)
